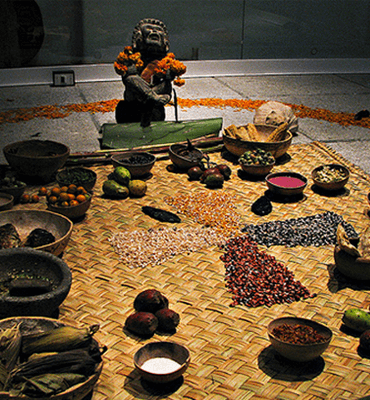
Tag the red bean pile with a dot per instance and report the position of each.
(256, 278)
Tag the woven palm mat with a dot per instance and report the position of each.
(231, 356)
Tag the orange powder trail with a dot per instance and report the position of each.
(55, 111)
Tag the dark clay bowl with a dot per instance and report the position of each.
(299, 352)
(334, 184)
(238, 147)
(6, 201)
(15, 191)
(36, 160)
(184, 162)
(23, 262)
(25, 221)
(130, 160)
(257, 170)
(286, 188)
(171, 350)
(78, 176)
(72, 212)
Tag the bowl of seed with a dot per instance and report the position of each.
(77, 176)
(161, 362)
(139, 163)
(330, 177)
(298, 339)
(257, 162)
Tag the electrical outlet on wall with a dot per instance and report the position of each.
(63, 78)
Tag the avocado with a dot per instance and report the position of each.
(215, 180)
(113, 189)
(356, 319)
(122, 175)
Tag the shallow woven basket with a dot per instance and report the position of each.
(33, 325)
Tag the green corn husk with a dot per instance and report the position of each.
(3, 376)
(78, 361)
(10, 346)
(46, 385)
(58, 340)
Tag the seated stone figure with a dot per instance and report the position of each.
(146, 90)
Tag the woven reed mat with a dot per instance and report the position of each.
(231, 356)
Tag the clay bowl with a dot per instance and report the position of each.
(353, 267)
(52, 278)
(170, 350)
(36, 160)
(238, 147)
(6, 201)
(72, 212)
(25, 221)
(299, 352)
(181, 161)
(139, 163)
(286, 183)
(15, 191)
(334, 184)
(257, 170)
(35, 325)
(78, 176)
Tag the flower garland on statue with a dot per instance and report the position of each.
(128, 58)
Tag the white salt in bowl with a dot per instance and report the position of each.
(162, 362)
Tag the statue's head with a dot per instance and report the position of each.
(150, 36)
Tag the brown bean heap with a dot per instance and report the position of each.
(256, 278)
(297, 334)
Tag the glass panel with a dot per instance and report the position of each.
(70, 32)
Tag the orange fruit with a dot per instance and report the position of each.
(64, 204)
(72, 188)
(25, 198)
(71, 196)
(74, 203)
(63, 196)
(81, 190)
(55, 191)
(35, 198)
(53, 199)
(64, 188)
(43, 191)
(81, 198)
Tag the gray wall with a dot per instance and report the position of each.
(95, 31)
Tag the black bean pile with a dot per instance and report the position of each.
(255, 278)
(139, 159)
(316, 230)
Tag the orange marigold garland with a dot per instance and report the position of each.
(127, 58)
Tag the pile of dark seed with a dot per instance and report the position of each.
(139, 159)
(316, 230)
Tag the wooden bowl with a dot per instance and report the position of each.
(170, 350)
(184, 162)
(357, 268)
(139, 163)
(78, 176)
(334, 184)
(33, 325)
(44, 268)
(257, 170)
(25, 221)
(286, 183)
(299, 352)
(72, 212)
(238, 147)
(36, 160)
(6, 201)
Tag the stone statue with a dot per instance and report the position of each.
(147, 71)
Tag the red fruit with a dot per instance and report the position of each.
(167, 320)
(195, 173)
(207, 172)
(142, 323)
(150, 300)
(225, 170)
